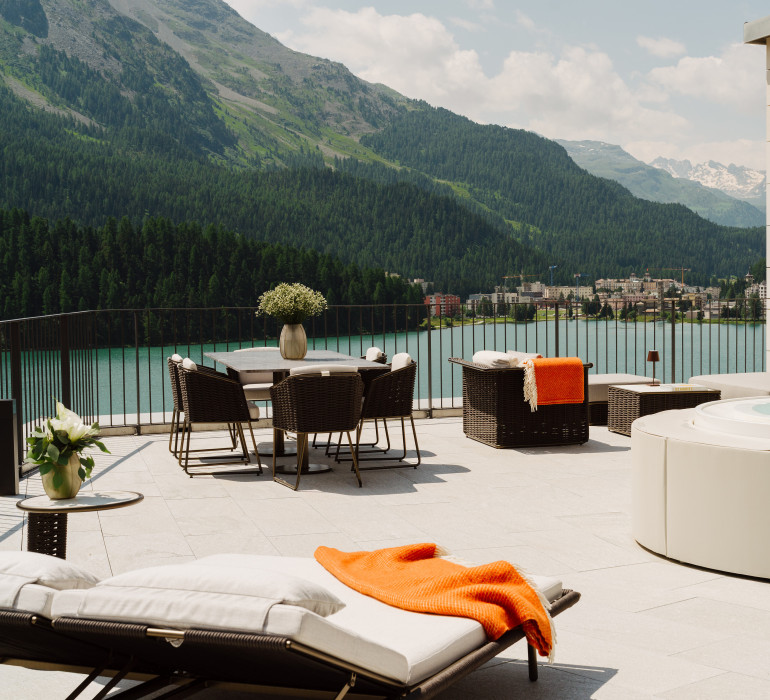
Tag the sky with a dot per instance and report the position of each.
(670, 79)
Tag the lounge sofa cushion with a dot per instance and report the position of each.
(599, 384)
(737, 385)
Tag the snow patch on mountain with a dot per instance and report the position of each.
(736, 180)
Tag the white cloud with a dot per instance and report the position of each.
(481, 4)
(735, 78)
(662, 47)
(466, 24)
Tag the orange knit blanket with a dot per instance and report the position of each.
(553, 380)
(411, 577)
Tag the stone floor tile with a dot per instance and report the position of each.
(726, 685)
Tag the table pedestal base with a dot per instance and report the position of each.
(307, 469)
(47, 534)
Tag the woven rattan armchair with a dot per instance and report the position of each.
(495, 412)
(389, 396)
(316, 403)
(212, 397)
(176, 415)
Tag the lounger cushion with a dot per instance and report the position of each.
(373, 354)
(187, 363)
(405, 646)
(176, 357)
(45, 570)
(599, 384)
(259, 391)
(201, 594)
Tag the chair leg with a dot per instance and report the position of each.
(532, 662)
(256, 450)
(354, 454)
(174, 415)
(303, 445)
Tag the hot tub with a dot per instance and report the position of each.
(701, 485)
(748, 417)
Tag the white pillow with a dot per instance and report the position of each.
(374, 353)
(492, 358)
(323, 369)
(176, 357)
(46, 570)
(400, 360)
(232, 593)
(187, 363)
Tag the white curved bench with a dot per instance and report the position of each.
(701, 496)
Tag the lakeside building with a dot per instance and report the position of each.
(443, 304)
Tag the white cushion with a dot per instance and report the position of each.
(176, 357)
(737, 385)
(598, 384)
(209, 595)
(253, 410)
(257, 392)
(402, 359)
(493, 358)
(20, 569)
(324, 369)
(517, 358)
(187, 363)
(374, 353)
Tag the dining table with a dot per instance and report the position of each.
(272, 361)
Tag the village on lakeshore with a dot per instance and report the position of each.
(642, 294)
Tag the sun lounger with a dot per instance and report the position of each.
(273, 622)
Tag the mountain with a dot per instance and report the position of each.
(181, 109)
(735, 180)
(661, 185)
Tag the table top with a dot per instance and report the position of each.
(665, 388)
(271, 360)
(83, 502)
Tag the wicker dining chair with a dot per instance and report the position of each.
(176, 415)
(320, 401)
(389, 396)
(212, 397)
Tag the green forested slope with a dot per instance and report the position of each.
(594, 223)
(47, 268)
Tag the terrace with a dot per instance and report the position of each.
(646, 627)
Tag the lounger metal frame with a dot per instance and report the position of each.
(185, 662)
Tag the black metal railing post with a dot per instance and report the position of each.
(673, 340)
(16, 383)
(430, 364)
(557, 351)
(136, 362)
(64, 360)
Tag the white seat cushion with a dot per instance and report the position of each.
(253, 410)
(492, 358)
(257, 392)
(736, 386)
(598, 384)
(176, 358)
(187, 363)
(325, 369)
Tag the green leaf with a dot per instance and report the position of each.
(53, 453)
(62, 435)
(101, 446)
(45, 468)
(64, 457)
(82, 474)
(57, 480)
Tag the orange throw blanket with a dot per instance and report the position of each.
(411, 577)
(553, 380)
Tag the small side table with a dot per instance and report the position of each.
(628, 402)
(47, 524)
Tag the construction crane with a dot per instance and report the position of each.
(551, 268)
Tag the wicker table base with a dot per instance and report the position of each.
(47, 522)
(632, 401)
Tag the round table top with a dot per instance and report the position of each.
(83, 502)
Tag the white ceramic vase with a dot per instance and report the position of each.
(293, 342)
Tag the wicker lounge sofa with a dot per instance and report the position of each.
(278, 623)
(495, 412)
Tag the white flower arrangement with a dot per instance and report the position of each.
(292, 303)
(52, 445)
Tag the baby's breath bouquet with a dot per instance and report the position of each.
(291, 303)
